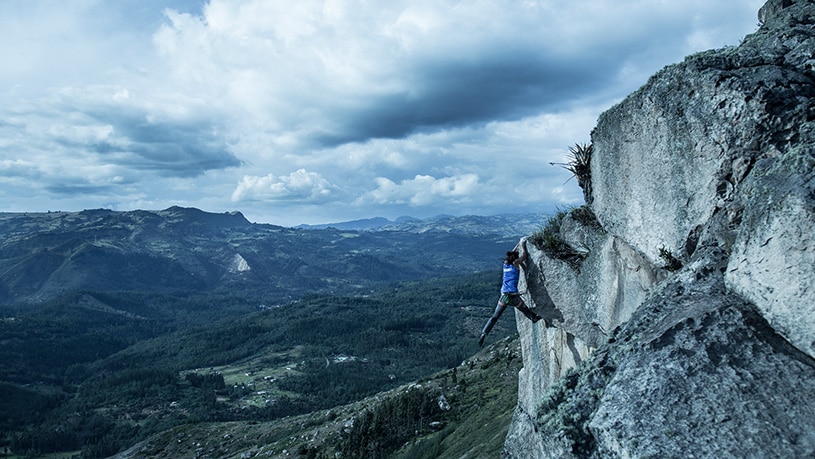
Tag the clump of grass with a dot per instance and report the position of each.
(552, 243)
(579, 164)
(586, 217)
(548, 237)
(671, 262)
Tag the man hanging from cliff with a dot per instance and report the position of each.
(509, 290)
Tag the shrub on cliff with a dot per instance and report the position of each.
(579, 164)
(550, 240)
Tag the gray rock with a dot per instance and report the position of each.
(548, 352)
(771, 9)
(709, 170)
(590, 297)
(702, 373)
(697, 372)
(774, 252)
(674, 152)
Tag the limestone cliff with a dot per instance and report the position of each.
(709, 167)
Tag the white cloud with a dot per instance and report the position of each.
(300, 185)
(402, 106)
(337, 71)
(422, 190)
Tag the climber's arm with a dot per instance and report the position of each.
(522, 250)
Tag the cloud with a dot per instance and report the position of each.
(301, 186)
(185, 148)
(422, 190)
(77, 132)
(335, 74)
(331, 108)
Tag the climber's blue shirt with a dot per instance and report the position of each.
(511, 276)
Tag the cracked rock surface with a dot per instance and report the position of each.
(687, 328)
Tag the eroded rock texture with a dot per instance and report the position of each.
(709, 170)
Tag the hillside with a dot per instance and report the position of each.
(72, 389)
(679, 302)
(43, 256)
(144, 321)
(462, 412)
(510, 225)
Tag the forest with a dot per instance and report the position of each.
(94, 384)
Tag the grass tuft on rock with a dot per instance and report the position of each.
(550, 240)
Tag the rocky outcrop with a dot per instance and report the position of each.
(688, 326)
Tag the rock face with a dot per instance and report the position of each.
(687, 328)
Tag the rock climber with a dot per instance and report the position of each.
(509, 290)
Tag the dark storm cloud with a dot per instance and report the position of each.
(452, 95)
(180, 148)
(176, 149)
(78, 189)
(342, 107)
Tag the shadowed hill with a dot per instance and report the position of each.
(180, 249)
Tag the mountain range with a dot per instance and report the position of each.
(117, 327)
(43, 255)
(508, 224)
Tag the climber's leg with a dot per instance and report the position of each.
(518, 302)
(491, 323)
(531, 315)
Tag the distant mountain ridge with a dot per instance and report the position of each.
(360, 225)
(119, 325)
(508, 224)
(43, 255)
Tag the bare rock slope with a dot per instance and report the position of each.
(686, 327)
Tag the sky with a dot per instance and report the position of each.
(318, 111)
